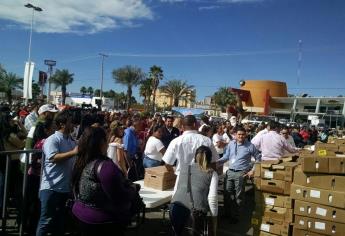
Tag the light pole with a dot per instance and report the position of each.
(101, 91)
(50, 64)
(34, 8)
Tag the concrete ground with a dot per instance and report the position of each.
(156, 225)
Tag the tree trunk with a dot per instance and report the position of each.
(176, 102)
(129, 95)
(9, 97)
(154, 101)
(63, 95)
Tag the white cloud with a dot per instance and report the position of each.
(208, 8)
(239, 1)
(76, 16)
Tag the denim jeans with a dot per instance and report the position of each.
(148, 162)
(53, 212)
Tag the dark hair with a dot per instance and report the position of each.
(89, 148)
(205, 129)
(272, 124)
(189, 120)
(156, 127)
(240, 128)
(40, 130)
(169, 117)
(62, 118)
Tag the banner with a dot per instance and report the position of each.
(27, 88)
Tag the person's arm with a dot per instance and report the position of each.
(65, 155)
(226, 156)
(257, 156)
(287, 146)
(170, 155)
(15, 141)
(213, 201)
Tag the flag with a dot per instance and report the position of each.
(27, 88)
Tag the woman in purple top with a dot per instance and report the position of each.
(103, 195)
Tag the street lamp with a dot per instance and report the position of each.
(34, 8)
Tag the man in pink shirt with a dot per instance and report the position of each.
(272, 144)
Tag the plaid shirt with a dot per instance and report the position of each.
(30, 120)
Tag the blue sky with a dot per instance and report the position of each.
(207, 43)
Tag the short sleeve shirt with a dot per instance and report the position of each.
(56, 176)
(153, 148)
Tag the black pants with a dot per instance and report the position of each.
(108, 229)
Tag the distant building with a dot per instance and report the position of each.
(163, 100)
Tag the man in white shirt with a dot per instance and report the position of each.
(183, 148)
(257, 137)
(219, 141)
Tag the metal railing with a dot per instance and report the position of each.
(8, 155)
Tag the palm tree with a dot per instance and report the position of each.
(36, 90)
(129, 76)
(178, 90)
(62, 78)
(9, 82)
(224, 98)
(83, 90)
(156, 74)
(97, 92)
(145, 90)
(90, 90)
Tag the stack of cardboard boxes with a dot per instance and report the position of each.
(319, 191)
(273, 213)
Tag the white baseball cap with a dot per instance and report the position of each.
(47, 107)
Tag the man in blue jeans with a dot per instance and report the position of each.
(59, 150)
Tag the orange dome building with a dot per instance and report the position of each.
(260, 93)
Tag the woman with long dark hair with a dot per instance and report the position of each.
(103, 196)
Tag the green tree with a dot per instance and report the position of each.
(8, 83)
(90, 90)
(62, 78)
(156, 75)
(145, 90)
(97, 92)
(223, 98)
(178, 90)
(83, 90)
(36, 90)
(129, 76)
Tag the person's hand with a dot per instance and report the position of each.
(249, 174)
(75, 150)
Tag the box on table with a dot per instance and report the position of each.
(257, 183)
(272, 199)
(315, 210)
(261, 224)
(336, 165)
(315, 195)
(276, 215)
(257, 170)
(159, 178)
(275, 186)
(278, 171)
(323, 181)
(319, 226)
(340, 142)
(301, 232)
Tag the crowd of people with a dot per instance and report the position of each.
(91, 159)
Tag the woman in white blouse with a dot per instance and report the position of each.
(154, 149)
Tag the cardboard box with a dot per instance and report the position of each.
(340, 142)
(281, 171)
(326, 146)
(257, 167)
(260, 224)
(314, 210)
(313, 164)
(320, 196)
(301, 232)
(319, 226)
(159, 178)
(336, 165)
(272, 199)
(257, 183)
(275, 186)
(278, 215)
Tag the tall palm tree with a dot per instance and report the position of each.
(224, 98)
(9, 82)
(145, 90)
(178, 90)
(90, 90)
(97, 92)
(129, 76)
(156, 74)
(83, 90)
(62, 78)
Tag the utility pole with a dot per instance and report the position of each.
(102, 65)
(28, 77)
(50, 64)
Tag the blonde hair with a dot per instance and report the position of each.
(178, 123)
(203, 158)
